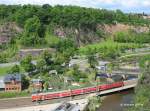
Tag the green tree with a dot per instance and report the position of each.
(32, 30)
(25, 82)
(92, 61)
(47, 56)
(3, 58)
(66, 45)
(46, 85)
(25, 12)
(14, 69)
(94, 103)
(27, 64)
(142, 89)
(75, 73)
(41, 65)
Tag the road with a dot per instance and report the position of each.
(9, 64)
(125, 73)
(136, 54)
(13, 63)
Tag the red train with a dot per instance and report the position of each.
(67, 93)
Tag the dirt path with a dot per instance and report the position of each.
(10, 103)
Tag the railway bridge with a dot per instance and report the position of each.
(128, 84)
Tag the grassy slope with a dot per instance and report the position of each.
(13, 94)
(3, 70)
(103, 46)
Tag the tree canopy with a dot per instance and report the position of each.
(67, 16)
(32, 32)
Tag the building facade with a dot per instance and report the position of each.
(12, 83)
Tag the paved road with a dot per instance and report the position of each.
(12, 64)
(125, 73)
(8, 64)
(139, 50)
(136, 54)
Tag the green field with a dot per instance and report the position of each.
(13, 94)
(4, 70)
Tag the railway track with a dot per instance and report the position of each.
(26, 102)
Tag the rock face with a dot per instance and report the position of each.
(81, 36)
(85, 36)
(111, 29)
(7, 31)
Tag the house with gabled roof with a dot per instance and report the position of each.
(12, 82)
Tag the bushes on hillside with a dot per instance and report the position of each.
(33, 34)
(127, 37)
(142, 91)
(108, 49)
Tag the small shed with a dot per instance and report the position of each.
(68, 80)
(81, 62)
(102, 65)
(37, 84)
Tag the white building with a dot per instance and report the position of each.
(2, 84)
(102, 65)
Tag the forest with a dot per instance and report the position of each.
(39, 21)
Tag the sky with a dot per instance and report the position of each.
(137, 6)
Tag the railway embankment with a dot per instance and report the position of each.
(82, 103)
